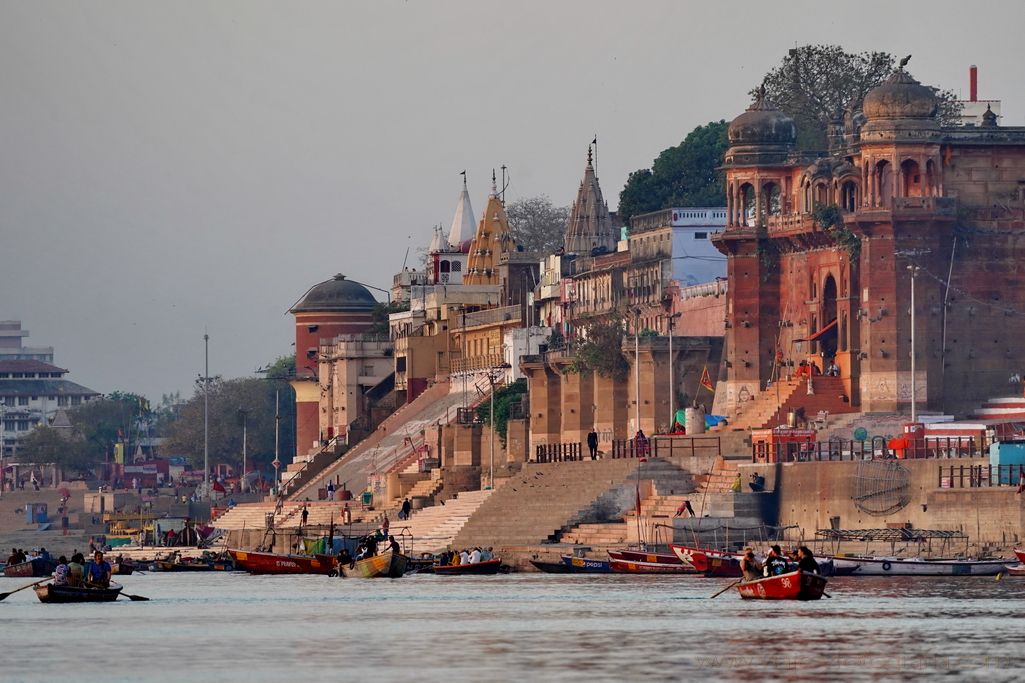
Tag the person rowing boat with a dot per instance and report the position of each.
(99, 571)
(749, 566)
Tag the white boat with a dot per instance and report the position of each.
(917, 566)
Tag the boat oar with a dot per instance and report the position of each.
(4, 595)
(134, 598)
(726, 589)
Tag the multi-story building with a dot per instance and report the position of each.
(32, 389)
(824, 250)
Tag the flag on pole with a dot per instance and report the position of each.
(706, 380)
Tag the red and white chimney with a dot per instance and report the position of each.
(973, 83)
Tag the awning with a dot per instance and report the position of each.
(820, 333)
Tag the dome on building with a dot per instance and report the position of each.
(900, 97)
(762, 124)
(337, 294)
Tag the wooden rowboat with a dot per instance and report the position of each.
(486, 567)
(1020, 554)
(37, 567)
(276, 563)
(388, 564)
(639, 562)
(914, 566)
(550, 567)
(50, 593)
(585, 565)
(791, 586)
(707, 561)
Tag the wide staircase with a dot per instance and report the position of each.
(433, 529)
(389, 444)
(770, 407)
(254, 516)
(543, 501)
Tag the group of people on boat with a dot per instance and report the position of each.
(452, 558)
(367, 547)
(776, 562)
(19, 555)
(80, 574)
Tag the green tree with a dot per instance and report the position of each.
(537, 225)
(504, 398)
(379, 316)
(600, 351)
(684, 175)
(46, 444)
(102, 422)
(816, 83)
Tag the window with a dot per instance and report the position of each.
(456, 266)
(75, 400)
(701, 235)
(23, 400)
(22, 425)
(62, 400)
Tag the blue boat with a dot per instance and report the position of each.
(586, 565)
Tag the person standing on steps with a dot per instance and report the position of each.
(592, 443)
(305, 516)
(407, 507)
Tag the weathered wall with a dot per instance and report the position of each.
(811, 493)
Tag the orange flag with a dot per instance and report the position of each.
(706, 381)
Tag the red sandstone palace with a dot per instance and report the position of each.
(821, 248)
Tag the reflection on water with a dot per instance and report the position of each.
(230, 627)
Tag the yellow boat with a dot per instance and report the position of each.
(388, 564)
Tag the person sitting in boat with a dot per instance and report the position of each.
(464, 557)
(775, 563)
(99, 571)
(487, 554)
(806, 560)
(750, 567)
(76, 570)
(393, 545)
(60, 574)
(475, 556)
(344, 557)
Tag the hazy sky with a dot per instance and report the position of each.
(170, 167)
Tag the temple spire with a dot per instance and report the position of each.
(462, 223)
(589, 225)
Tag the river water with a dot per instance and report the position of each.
(525, 627)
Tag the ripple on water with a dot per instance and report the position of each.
(227, 627)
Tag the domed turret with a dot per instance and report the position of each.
(337, 294)
(900, 97)
(762, 124)
(762, 135)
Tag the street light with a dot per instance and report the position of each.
(493, 374)
(637, 367)
(671, 320)
(245, 414)
(206, 417)
(3, 426)
(914, 392)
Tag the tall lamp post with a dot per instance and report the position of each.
(3, 426)
(206, 417)
(245, 415)
(671, 321)
(914, 389)
(493, 374)
(637, 367)
(277, 434)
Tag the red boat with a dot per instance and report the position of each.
(276, 563)
(1016, 570)
(639, 562)
(792, 586)
(1020, 554)
(707, 561)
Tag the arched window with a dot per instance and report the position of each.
(821, 195)
(771, 194)
(747, 198)
(444, 266)
(884, 177)
(848, 196)
(912, 177)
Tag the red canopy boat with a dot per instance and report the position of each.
(1020, 554)
(791, 586)
(277, 563)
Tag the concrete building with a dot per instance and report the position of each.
(974, 110)
(351, 367)
(31, 393)
(333, 308)
(11, 347)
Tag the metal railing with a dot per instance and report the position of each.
(874, 449)
(655, 447)
(979, 476)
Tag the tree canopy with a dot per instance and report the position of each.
(816, 83)
(684, 175)
(600, 350)
(537, 225)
